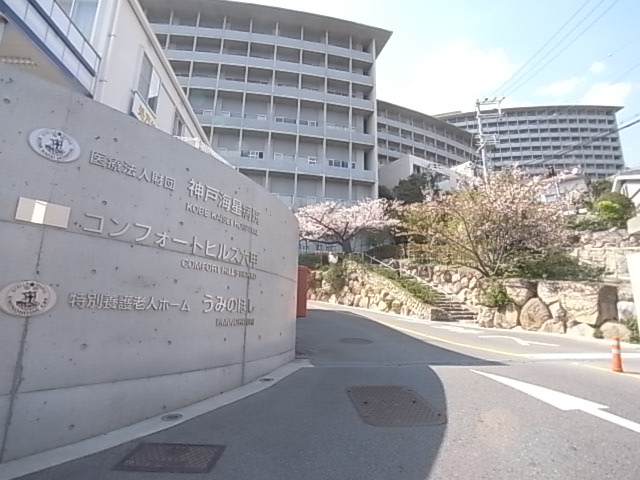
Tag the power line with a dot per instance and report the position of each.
(570, 148)
(627, 72)
(557, 44)
(521, 82)
(559, 109)
(619, 49)
(541, 48)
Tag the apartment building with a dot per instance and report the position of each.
(104, 49)
(402, 131)
(560, 137)
(288, 98)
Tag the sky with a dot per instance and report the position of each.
(445, 54)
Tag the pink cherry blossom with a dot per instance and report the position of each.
(483, 225)
(338, 224)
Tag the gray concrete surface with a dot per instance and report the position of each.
(175, 274)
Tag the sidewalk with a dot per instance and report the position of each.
(305, 426)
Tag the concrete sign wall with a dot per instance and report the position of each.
(138, 274)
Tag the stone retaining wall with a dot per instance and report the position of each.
(578, 308)
(359, 287)
(607, 249)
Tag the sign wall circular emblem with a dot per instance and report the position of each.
(54, 145)
(27, 298)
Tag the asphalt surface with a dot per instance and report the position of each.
(305, 426)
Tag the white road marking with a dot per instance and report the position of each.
(453, 328)
(526, 343)
(563, 401)
(578, 356)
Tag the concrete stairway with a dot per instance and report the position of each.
(458, 311)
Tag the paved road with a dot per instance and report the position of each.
(305, 426)
(497, 431)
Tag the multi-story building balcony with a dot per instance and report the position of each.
(287, 97)
(563, 137)
(401, 132)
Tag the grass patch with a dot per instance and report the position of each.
(415, 288)
(553, 266)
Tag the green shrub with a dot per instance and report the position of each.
(591, 224)
(553, 266)
(384, 252)
(419, 290)
(632, 325)
(312, 260)
(496, 295)
(335, 271)
(615, 208)
(335, 275)
(387, 273)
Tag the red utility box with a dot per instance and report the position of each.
(303, 286)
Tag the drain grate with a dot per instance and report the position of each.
(356, 341)
(393, 406)
(171, 458)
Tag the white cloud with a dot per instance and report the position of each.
(451, 77)
(597, 67)
(560, 88)
(607, 94)
(511, 103)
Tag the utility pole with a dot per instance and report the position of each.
(482, 139)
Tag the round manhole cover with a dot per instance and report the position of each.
(356, 341)
(171, 417)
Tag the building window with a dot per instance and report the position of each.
(332, 162)
(82, 13)
(149, 84)
(253, 154)
(289, 120)
(178, 125)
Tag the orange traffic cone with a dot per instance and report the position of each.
(616, 358)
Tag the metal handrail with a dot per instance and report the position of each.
(449, 296)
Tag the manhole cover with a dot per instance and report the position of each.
(393, 406)
(356, 341)
(172, 458)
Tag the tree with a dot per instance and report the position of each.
(335, 223)
(413, 188)
(384, 192)
(599, 187)
(485, 227)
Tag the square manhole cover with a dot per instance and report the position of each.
(171, 458)
(393, 406)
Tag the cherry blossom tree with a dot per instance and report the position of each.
(486, 225)
(336, 223)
